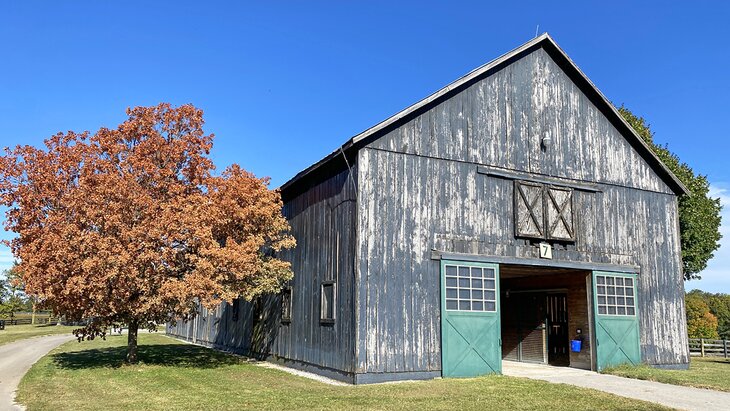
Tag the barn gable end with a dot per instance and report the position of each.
(503, 119)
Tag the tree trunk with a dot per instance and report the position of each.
(132, 342)
(32, 317)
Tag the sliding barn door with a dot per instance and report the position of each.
(616, 319)
(470, 321)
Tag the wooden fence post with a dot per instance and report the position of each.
(724, 347)
(702, 347)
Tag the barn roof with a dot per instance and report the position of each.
(343, 155)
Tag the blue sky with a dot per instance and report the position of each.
(284, 83)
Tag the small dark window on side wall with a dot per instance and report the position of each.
(328, 302)
(286, 304)
(258, 310)
(235, 308)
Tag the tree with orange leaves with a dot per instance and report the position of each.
(131, 225)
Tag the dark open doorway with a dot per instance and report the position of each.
(535, 327)
(542, 310)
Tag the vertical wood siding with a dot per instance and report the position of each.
(501, 119)
(420, 190)
(323, 223)
(216, 328)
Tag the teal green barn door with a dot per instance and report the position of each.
(616, 319)
(470, 322)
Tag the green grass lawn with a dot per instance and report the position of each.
(707, 372)
(173, 376)
(18, 332)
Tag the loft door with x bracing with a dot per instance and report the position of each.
(470, 323)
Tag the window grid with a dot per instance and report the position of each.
(615, 295)
(470, 288)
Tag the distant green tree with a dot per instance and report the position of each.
(5, 292)
(720, 307)
(701, 323)
(12, 297)
(699, 214)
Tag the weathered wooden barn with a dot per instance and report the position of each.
(508, 216)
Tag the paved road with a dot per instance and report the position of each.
(675, 396)
(16, 359)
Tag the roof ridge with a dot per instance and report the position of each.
(539, 41)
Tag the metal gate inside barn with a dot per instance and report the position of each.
(535, 327)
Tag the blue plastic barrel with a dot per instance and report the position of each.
(575, 345)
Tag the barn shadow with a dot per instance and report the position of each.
(173, 355)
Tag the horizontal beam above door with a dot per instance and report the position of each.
(535, 262)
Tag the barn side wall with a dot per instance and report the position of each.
(215, 328)
(322, 219)
(420, 190)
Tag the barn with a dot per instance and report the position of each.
(513, 215)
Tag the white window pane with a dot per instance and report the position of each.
(468, 290)
(611, 309)
(630, 301)
(619, 281)
(601, 309)
(621, 310)
(451, 270)
(609, 280)
(600, 279)
(629, 281)
(629, 291)
(630, 311)
(601, 289)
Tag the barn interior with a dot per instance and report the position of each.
(543, 309)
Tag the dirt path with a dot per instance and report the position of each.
(675, 396)
(16, 358)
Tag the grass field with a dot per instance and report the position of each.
(707, 372)
(175, 376)
(18, 332)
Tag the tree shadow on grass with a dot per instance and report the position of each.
(173, 355)
(719, 361)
